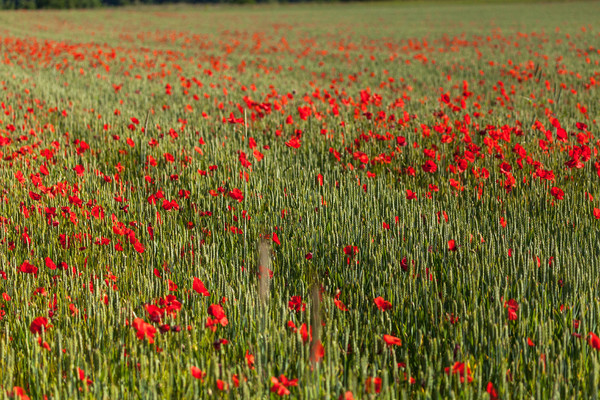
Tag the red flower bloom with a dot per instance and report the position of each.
(79, 169)
(280, 386)
(594, 341)
(296, 304)
(83, 378)
(276, 238)
(28, 268)
(236, 194)
(338, 303)
(317, 352)
(346, 396)
(351, 250)
(221, 385)
(382, 304)
(513, 307)
(198, 286)
(197, 373)
(154, 313)
(392, 340)
(491, 391)
(429, 166)
(461, 370)
(138, 246)
(373, 384)
(19, 392)
(37, 324)
(34, 196)
(304, 333)
(49, 263)
(217, 312)
(144, 329)
(557, 193)
(505, 168)
(294, 142)
(292, 326)
(452, 245)
(249, 359)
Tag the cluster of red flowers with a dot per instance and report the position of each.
(188, 170)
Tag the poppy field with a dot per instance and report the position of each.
(305, 201)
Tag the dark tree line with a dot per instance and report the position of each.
(58, 4)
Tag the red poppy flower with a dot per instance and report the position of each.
(460, 369)
(221, 385)
(317, 352)
(392, 340)
(155, 313)
(594, 341)
(236, 194)
(37, 325)
(351, 250)
(512, 307)
(292, 326)
(557, 193)
(373, 384)
(198, 286)
(276, 238)
(338, 303)
(170, 205)
(197, 373)
(429, 166)
(218, 313)
(382, 304)
(19, 392)
(34, 196)
(296, 304)
(280, 386)
(83, 378)
(249, 359)
(28, 268)
(505, 168)
(346, 396)
(294, 142)
(144, 329)
(79, 169)
(304, 333)
(452, 245)
(492, 391)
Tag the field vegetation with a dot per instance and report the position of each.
(324, 201)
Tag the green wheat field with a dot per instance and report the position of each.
(354, 201)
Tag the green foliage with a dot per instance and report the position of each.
(87, 75)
